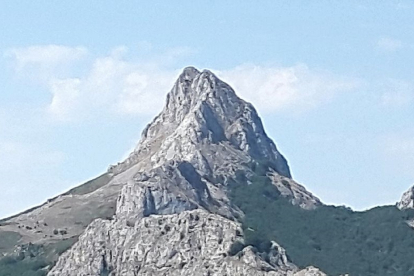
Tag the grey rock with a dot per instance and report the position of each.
(407, 200)
(202, 111)
(173, 215)
(165, 209)
(296, 193)
(310, 271)
(189, 243)
(206, 125)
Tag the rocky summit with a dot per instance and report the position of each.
(166, 209)
(173, 213)
(205, 192)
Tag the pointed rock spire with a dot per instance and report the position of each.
(173, 213)
(201, 109)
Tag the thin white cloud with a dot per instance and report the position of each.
(297, 88)
(113, 84)
(396, 98)
(27, 170)
(45, 55)
(44, 61)
(15, 154)
(123, 87)
(398, 145)
(66, 96)
(397, 93)
(398, 151)
(110, 84)
(403, 5)
(388, 44)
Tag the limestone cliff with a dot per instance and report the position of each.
(166, 210)
(173, 214)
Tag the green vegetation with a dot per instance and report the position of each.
(8, 239)
(34, 260)
(336, 239)
(13, 266)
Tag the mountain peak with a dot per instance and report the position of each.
(189, 73)
(169, 205)
(192, 86)
(176, 188)
(202, 110)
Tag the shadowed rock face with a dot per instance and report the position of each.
(201, 111)
(168, 201)
(173, 215)
(204, 134)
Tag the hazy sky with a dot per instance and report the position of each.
(332, 80)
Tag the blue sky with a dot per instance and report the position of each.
(333, 82)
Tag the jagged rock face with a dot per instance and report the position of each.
(407, 200)
(165, 210)
(173, 214)
(206, 128)
(203, 124)
(190, 243)
(203, 115)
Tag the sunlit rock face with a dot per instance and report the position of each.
(189, 243)
(203, 114)
(173, 215)
(407, 200)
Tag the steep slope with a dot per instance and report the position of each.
(205, 192)
(181, 212)
(203, 140)
(173, 215)
(36, 237)
(202, 111)
(70, 212)
(407, 200)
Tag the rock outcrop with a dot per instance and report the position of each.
(189, 243)
(407, 200)
(166, 210)
(203, 118)
(173, 214)
(205, 128)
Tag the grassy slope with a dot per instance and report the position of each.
(33, 260)
(90, 186)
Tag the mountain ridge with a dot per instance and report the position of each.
(185, 162)
(199, 93)
(184, 202)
